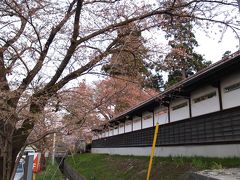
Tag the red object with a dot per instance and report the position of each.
(35, 164)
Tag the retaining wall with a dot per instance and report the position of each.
(70, 173)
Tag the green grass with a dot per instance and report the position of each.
(108, 167)
(51, 172)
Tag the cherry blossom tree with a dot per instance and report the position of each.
(44, 45)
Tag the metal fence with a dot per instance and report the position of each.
(221, 127)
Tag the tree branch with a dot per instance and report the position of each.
(84, 68)
(27, 80)
(72, 47)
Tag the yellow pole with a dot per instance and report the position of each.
(152, 153)
(34, 176)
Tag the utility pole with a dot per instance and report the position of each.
(54, 148)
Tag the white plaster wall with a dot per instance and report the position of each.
(136, 123)
(147, 122)
(160, 115)
(232, 98)
(95, 137)
(111, 133)
(205, 106)
(181, 113)
(121, 128)
(128, 126)
(102, 134)
(115, 131)
(106, 134)
(224, 150)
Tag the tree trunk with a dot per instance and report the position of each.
(12, 140)
(6, 160)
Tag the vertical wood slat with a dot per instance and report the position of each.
(220, 96)
(190, 107)
(169, 117)
(153, 119)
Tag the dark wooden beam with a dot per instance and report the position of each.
(169, 113)
(217, 85)
(153, 118)
(220, 96)
(132, 124)
(190, 107)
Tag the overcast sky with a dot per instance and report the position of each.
(212, 48)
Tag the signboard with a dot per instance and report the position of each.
(36, 162)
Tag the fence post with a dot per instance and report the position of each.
(28, 167)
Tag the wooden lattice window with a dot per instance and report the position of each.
(179, 106)
(232, 87)
(204, 97)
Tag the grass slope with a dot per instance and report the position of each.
(109, 167)
(52, 172)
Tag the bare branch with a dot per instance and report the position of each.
(71, 48)
(26, 81)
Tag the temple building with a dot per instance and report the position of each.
(198, 116)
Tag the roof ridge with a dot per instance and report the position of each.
(180, 83)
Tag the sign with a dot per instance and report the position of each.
(36, 162)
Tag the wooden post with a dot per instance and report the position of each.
(169, 113)
(220, 96)
(190, 107)
(132, 124)
(153, 118)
